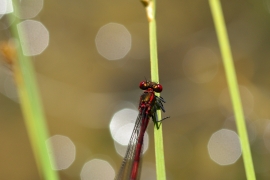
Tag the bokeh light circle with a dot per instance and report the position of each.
(9, 7)
(29, 8)
(62, 151)
(224, 147)
(121, 149)
(97, 169)
(121, 118)
(121, 128)
(113, 41)
(123, 134)
(3, 7)
(34, 37)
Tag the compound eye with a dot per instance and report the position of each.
(143, 85)
(157, 88)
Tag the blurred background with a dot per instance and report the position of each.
(90, 57)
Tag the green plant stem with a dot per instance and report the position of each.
(31, 106)
(233, 86)
(159, 150)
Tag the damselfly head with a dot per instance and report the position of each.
(148, 84)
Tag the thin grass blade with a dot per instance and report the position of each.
(233, 85)
(150, 6)
(31, 106)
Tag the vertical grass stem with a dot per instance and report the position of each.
(150, 6)
(233, 86)
(31, 106)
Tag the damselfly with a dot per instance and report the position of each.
(148, 106)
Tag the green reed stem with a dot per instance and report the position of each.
(31, 106)
(150, 6)
(233, 86)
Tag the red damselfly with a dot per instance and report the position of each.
(148, 106)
